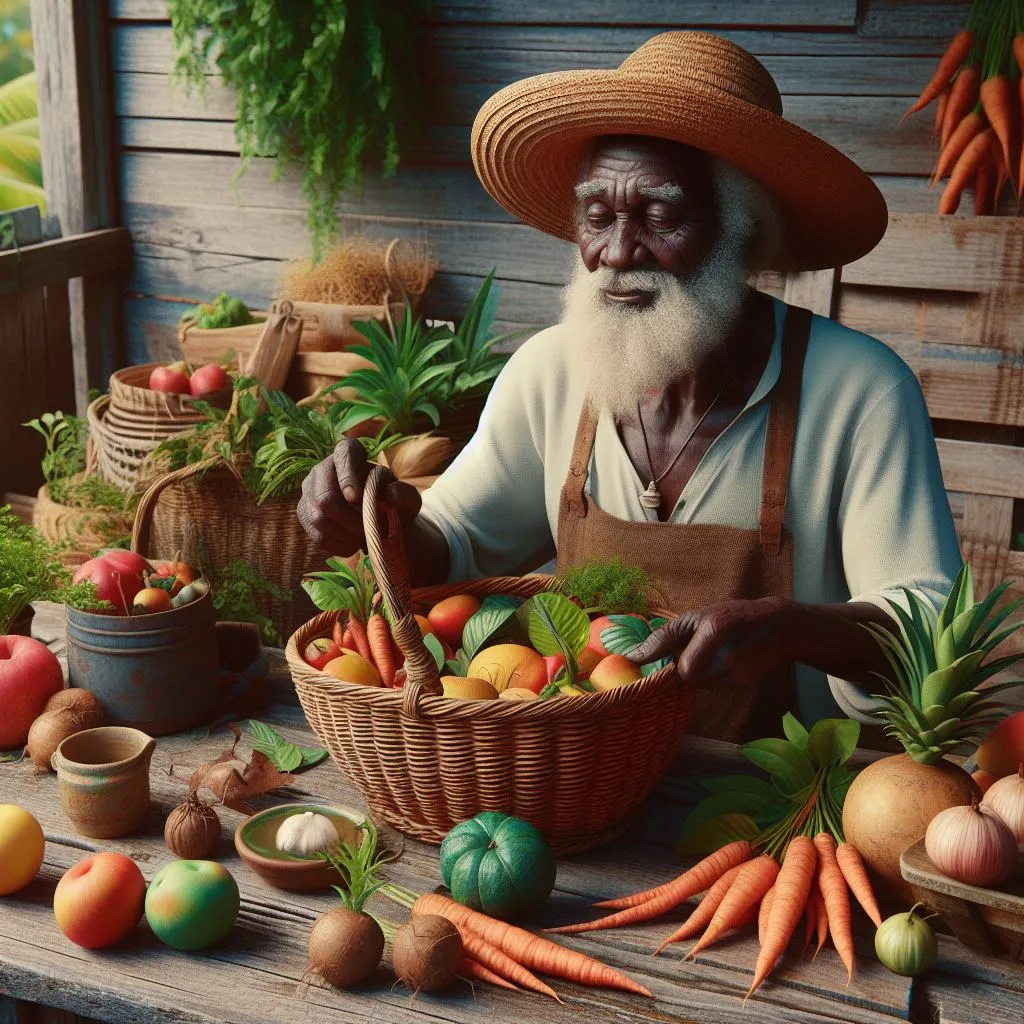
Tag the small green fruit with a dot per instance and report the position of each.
(905, 943)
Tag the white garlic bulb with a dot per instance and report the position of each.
(306, 834)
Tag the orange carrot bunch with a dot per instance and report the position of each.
(978, 90)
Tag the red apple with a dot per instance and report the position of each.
(126, 561)
(320, 651)
(1003, 748)
(554, 663)
(449, 617)
(100, 900)
(115, 585)
(150, 600)
(163, 378)
(208, 379)
(30, 675)
(596, 625)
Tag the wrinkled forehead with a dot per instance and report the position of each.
(639, 155)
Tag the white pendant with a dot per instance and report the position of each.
(651, 498)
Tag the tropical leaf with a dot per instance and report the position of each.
(18, 99)
(556, 626)
(493, 614)
(789, 767)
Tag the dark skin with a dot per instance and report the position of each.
(649, 204)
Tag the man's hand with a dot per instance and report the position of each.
(734, 643)
(737, 643)
(330, 509)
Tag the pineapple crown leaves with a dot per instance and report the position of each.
(938, 662)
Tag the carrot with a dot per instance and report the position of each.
(762, 914)
(530, 950)
(984, 179)
(1020, 166)
(964, 170)
(756, 877)
(378, 636)
(358, 631)
(836, 897)
(689, 883)
(477, 972)
(1018, 50)
(956, 53)
(821, 912)
(940, 112)
(963, 95)
(810, 919)
(791, 891)
(966, 130)
(997, 101)
(501, 963)
(338, 633)
(856, 876)
(697, 921)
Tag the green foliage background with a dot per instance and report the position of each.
(21, 167)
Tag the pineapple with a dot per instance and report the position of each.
(934, 702)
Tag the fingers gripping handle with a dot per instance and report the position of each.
(387, 557)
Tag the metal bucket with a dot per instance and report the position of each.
(158, 672)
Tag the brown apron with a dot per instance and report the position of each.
(693, 565)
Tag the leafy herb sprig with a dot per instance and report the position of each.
(237, 588)
(357, 864)
(345, 586)
(606, 587)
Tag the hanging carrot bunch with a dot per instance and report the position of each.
(978, 91)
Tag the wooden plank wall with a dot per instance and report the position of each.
(844, 74)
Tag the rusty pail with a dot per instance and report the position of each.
(156, 672)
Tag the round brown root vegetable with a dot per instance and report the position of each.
(192, 830)
(345, 947)
(66, 712)
(427, 953)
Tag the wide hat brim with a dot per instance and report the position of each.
(529, 139)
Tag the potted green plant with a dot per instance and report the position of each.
(325, 86)
(31, 570)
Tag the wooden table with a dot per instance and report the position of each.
(259, 973)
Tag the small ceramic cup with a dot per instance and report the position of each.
(103, 775)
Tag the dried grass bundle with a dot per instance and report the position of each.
(355, 272)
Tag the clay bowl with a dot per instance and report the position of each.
(254, 841)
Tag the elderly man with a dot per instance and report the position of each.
(774, 473)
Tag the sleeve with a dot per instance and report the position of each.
(895, 524)
(489, 504)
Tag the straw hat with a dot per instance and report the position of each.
(690, 87)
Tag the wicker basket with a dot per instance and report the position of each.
(578, 768)
(133, 401)
(119, 453)
(204, 511)
(79, 531)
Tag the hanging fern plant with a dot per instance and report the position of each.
(322, 83)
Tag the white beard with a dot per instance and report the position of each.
(634, 351)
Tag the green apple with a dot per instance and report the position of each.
(191, 904)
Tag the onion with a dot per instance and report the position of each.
(345, 946)
(905, 943)
(427, 953)
(971, 844)
(66, 712)
(1005, 798)
(192, 830)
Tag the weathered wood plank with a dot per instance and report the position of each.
(814, 290)
(952, 1002)
(64, 258)
(901, 18)
(863, 127)
(816, 13)
(496, 55)
(962, 254)
(994, 469)
(75, 118)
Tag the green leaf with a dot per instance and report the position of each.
(625, 634)
(650, 667)
(433, 645)
(741, 784)
(495, 611)
(795, 731)
(556, 626)
(714, 834)
(283, 755)
(459, 664)
(312, 756)
(728, 802)
(789, 767)
(832, 741)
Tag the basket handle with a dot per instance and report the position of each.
(387, 557)
(147, 503)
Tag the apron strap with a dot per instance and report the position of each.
(579, 464)
(781, 429)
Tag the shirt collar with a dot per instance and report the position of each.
(773, 367)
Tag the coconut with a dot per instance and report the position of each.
(427, 953)
(345, 947)
(890, 805)
(66, 712)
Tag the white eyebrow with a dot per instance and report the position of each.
(588, 189)
(666, 193)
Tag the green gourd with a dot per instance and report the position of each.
(497, 864)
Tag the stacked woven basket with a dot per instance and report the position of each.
(577, 768)
(126, 425)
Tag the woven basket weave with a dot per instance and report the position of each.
(579, 768)
(205, 512)
(132, 400)
(119, 454)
